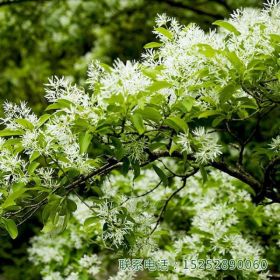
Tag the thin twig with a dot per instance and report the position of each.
(170, 197)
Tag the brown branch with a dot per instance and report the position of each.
(267, 181)
(171, 171)
(274, 275)
(238, 173)
(182, 5)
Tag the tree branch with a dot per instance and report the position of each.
(192, 8)
(170, 197)
(238, 173)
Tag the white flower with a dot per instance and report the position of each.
(88, 260)
(208, 149)
(29, 140)
(125, 79)
(53, 276)
(135, 149)
(185, 142)
(162, 19)
(91, 263)
(124, 275)
(95, 72)
(45, 249)
(275, 144)
(13, 112)
(60, 88)
(73, 276)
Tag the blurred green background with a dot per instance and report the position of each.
(60, 37)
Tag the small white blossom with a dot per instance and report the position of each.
(185, 143)
(208, 149)
(275, 144)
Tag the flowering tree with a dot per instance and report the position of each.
(177, 143)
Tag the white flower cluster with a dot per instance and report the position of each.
(135, 149)
(213, 217)
(275, 144)
(194, 62)
(207, 148)
(90, 263)
(116, 223)
(13, 112)
(211, 233)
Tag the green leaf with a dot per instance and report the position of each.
(152, 72)
(227, 92)
(275, 37)
(84, 141)
(34, 156)
(11, 227)
(207, 114)
(206, 50)
(10, 132)
(158, 85)
(161, 174)
(218, 120)
(164, 32)
(157, 145)
(203, 173)
(228, 26)
(136, 169)
(138, 123)
(176, 123)
(32, 167)
(43, 119)
(25, 123)
(90, 221)
(48, 227)
(173, 148)
(53, 106)
(235, 61)
(125, 166)
(152, 45)
(50, 213)
(17, 191)
(118, 150)
(71, 205)
(188, 103)
(65, 222)
(106, 67)
(61, 103)
(149, 113)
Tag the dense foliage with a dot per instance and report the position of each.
(171, 157)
